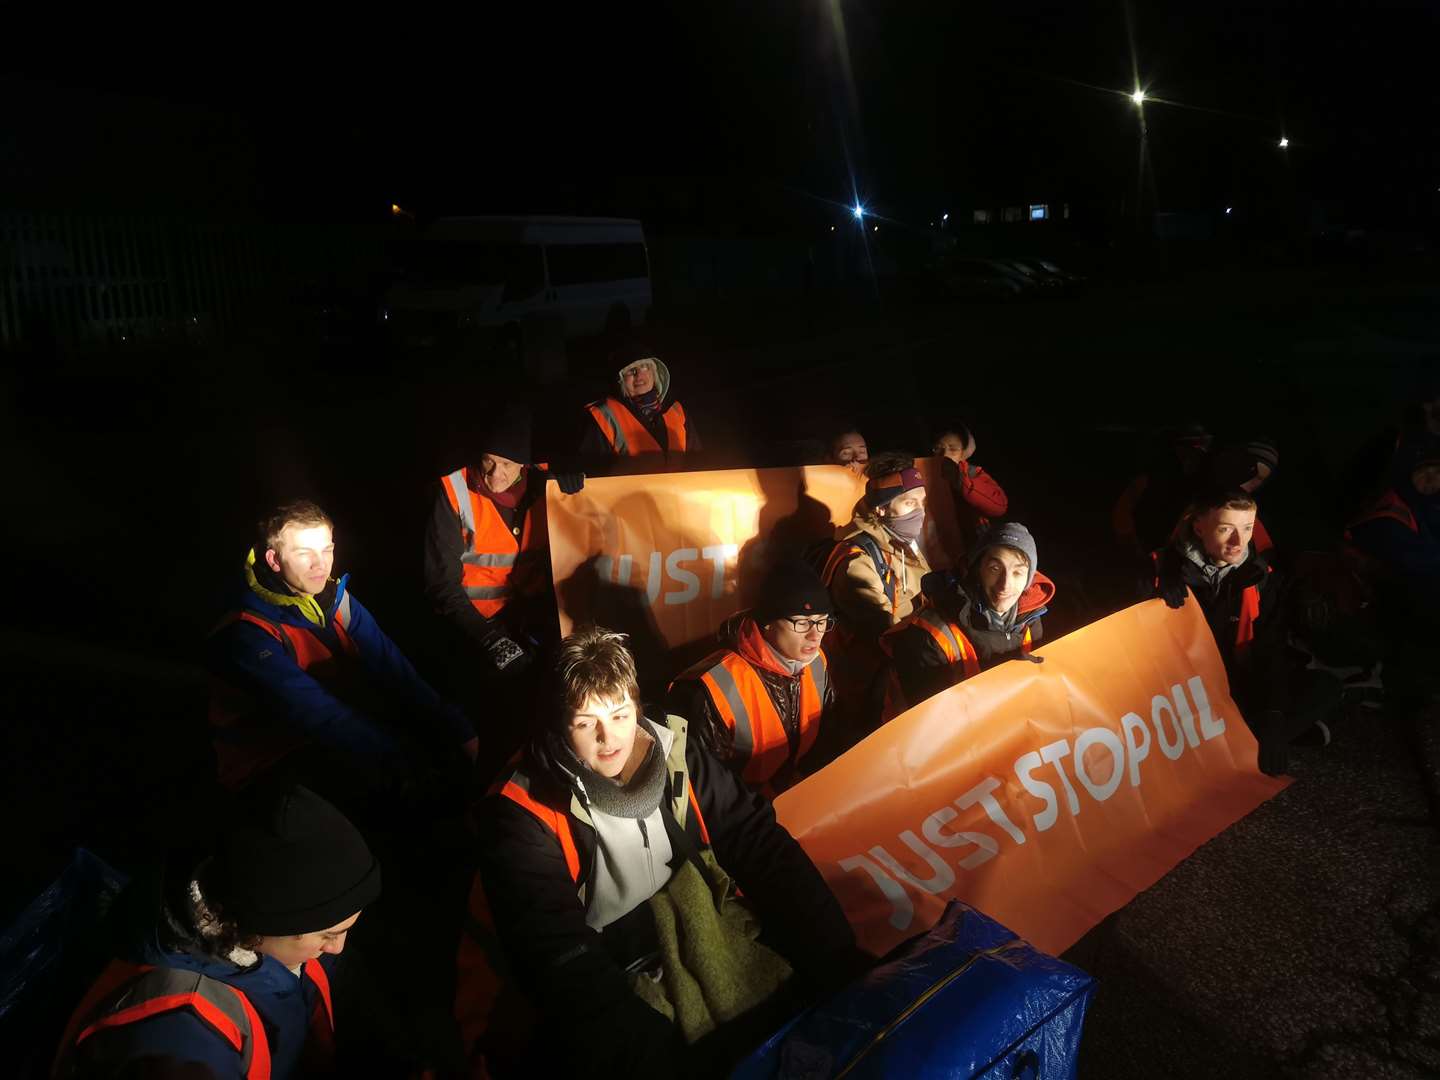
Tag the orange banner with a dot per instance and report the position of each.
(1046, 795)
(677, 553)
(668, 557)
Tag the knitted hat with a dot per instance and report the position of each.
(507, 434)
(293, 864)
(879, 490)
(792, 588)
(1264, 451)
(1009, 534)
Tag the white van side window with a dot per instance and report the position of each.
(579, 264)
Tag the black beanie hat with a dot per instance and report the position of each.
(507, 434)
(792, 588)
(292, 864)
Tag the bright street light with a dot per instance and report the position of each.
(1138, 97)
(1284, 142)
(1228, 209)
(944, 217)
(858, 211)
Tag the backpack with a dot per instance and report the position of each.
(827, 556)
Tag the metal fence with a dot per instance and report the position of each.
(79, 282)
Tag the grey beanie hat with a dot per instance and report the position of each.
(1009, 534)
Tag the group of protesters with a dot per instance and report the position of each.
(635, 905)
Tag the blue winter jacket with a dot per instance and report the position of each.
(284, 1001)
(246, 657)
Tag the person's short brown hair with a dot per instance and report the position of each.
(593, 662)
(1220, 499)
(296, 512)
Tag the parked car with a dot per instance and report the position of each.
(982, 279)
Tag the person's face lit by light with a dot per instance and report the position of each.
(638, 378)
(850, 450)
(1225, 535)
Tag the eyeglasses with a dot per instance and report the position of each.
(824, 624)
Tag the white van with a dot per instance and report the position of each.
(590, 275)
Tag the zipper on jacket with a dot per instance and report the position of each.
(649, 853)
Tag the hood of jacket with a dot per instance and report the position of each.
(662, 382)
(264, 593)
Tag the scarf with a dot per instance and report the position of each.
(308, 606)
(907, 526)
(648, 403)
(509, 498)
(637, 799)
(1213, 574)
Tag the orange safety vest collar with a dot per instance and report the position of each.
(1390, 507)
(628, 437)
(760, 739)
(516, 788)
(492, 550)
(127, 993)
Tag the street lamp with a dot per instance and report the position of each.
(1138, 97)
(1284, 142)
(858, 211)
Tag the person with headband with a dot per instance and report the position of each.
(644, 419)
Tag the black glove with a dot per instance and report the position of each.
(1173, 592)
(506, 655)
(570, 482)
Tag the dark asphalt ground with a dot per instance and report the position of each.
(1304, 941)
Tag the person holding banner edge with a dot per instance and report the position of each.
(761, 701)
(1212, 559)
(967, 624)
(612, 840)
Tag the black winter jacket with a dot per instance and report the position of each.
(576, 976)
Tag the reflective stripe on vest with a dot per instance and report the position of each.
(492, 549)
(628, 437)
(516, 788)
(128, 993)
(953, 642)
(759, 734)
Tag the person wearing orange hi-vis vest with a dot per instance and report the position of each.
(644, 419)
(972, 622)
(610, 854)
(760, 700)
(486, 547)
(224, 962)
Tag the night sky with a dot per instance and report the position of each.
(736, 113)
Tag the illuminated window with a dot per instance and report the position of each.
(1013, 213)
(1039, 212)
(982, 217)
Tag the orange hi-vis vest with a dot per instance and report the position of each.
(128, 993)
(232, 710)
(628, 437)
(759, 735)
(1389, 507)
(953, 644)
(488, 564)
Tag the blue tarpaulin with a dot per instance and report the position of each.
(965, 999)
(48, 955)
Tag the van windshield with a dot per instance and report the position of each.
(518, 267)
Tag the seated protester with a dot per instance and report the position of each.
(1213, 559)
(1146, 511)
(301, 665)
(978, 498)
(644, 418)
(1397, 538)
(487, 563)
(849, 449)
(226, 962)
(874, 570)
(1246, 467)
(607, 857)
(759, 702)
(970, 623)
